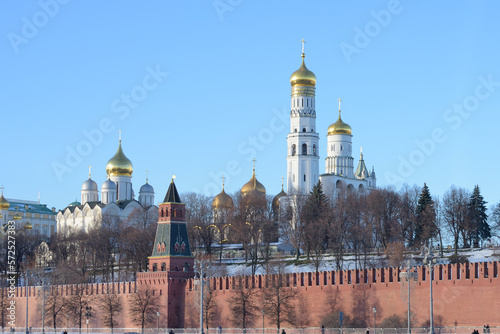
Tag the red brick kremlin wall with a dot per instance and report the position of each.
(464, 295)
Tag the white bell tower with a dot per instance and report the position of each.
(303, 140)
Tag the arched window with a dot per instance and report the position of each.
(304, 149)
(341, 147)
(295, 130)
(155, 267)
(163, 267)
(294, 149)
(304, 177)
(312, 130)
(304, 130)
(314, 149)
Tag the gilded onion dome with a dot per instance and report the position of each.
(222, 201)
(253, 184)
(339, 127)
(119, 164)
(303, 77)
(276, 199)
(4, 204)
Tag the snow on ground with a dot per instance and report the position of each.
(237, 266)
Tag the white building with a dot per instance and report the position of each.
(303, 146)
(117, 198)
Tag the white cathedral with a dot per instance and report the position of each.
(117, 198)
(303, 146)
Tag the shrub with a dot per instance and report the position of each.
(455, 258)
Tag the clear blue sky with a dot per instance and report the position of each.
(408, 72)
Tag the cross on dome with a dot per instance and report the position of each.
(303, 42)
(339, 102)
(90, 171)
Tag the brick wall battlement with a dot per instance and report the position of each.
(442, 272)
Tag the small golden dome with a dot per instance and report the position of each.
(28, 226)
(17, 216)
(119, 164)
(253, 184)
(4, 204)
(222, 201)
(339, 127)
(303, 77)
(276, 200)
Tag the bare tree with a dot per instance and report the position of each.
(77, 305)
(110, 305)
(55, 307)
(409, 199)
(243, 305)
(198, 219)
(278, 299)
(143, 305)
(383, 207)
(209, 308)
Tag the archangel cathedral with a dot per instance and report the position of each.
(117, 198)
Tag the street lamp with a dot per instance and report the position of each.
(88, 314)
(67, 321)
(374, 320)
(429, 260)
(26, 290)
(408, 275)
(158, 321)
(263, 313)
(202, 267)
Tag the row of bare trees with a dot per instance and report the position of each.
(65, 311)
(354, 222)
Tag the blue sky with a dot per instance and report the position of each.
(200, 88)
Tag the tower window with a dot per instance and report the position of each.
(294, 149)
(302, 102)
(312, 130)
(304, 130)
(314, 149)
(304, 149)
(295, 130)
(307, 102)
(341, 147)
(304, 177)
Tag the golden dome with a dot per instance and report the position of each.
(4, 204)
(253, 184)
(28, 226)
(222, 201)
(339, 128)
(303, 77)
(276, 200)
(17, 216)
(119, 164)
